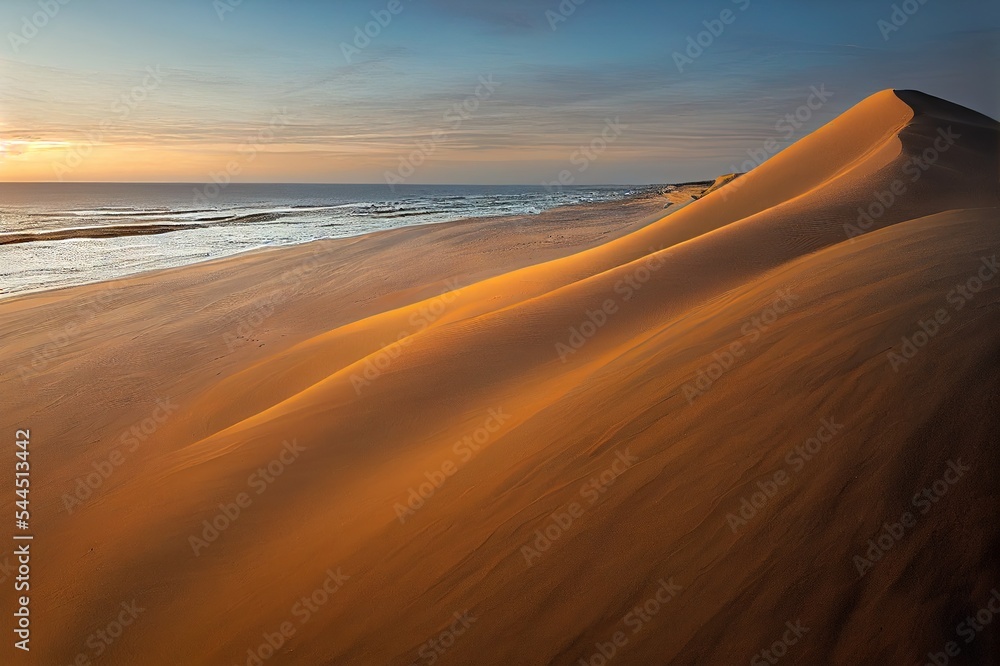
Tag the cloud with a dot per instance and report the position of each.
(10, 148)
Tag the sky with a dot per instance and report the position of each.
(458, 91)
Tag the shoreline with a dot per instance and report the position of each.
(644, 194)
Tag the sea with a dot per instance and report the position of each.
(152, 226)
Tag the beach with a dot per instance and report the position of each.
(123, 229)
(607, 431)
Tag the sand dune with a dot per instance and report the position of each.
(587, 412)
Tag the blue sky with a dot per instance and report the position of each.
(230, 68)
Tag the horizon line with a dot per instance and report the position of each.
(202, 183)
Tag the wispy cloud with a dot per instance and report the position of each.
(223, 82)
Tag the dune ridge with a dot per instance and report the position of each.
(385, 395)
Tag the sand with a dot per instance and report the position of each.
(491, 441)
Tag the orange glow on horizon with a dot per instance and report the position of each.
(69, 161)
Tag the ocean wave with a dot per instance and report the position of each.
(250, 218)
(110, 231)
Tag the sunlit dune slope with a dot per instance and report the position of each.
(546, 448)
(804, 199)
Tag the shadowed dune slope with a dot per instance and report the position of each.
(546, 448)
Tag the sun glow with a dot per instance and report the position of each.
(15, 147)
